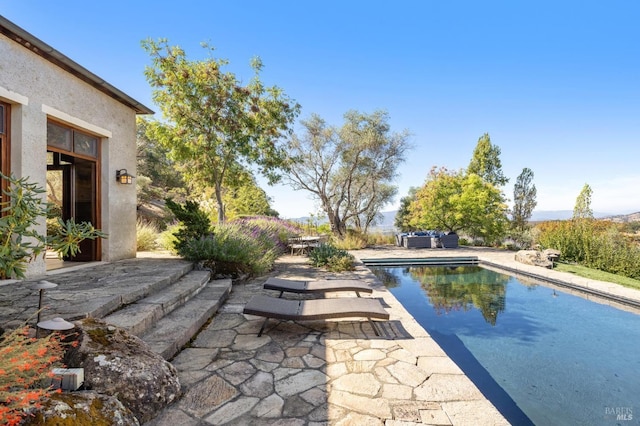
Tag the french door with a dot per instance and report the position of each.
(72, 181)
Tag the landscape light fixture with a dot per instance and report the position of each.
(123, 177)
(42, 286)
(56, 324)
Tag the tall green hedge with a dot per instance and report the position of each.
(592, 243)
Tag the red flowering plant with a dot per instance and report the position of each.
(25, 372)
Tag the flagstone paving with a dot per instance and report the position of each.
(336, 373)
(311, 373)
(321, 373)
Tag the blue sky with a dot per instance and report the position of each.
(556, 84)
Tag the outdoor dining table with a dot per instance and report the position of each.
(303, 244)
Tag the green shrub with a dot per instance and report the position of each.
(274, 231)
(146, 234)
(193, 220)
(335, 259)
(248, 245)
(167, 239)
(231, 251)
(341, 263)
(594, 244)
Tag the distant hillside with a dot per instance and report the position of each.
(625, 218)
(538, 216)
(386, 225)
(542, 215)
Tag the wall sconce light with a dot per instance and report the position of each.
(123, 177)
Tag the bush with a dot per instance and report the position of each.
(340, 263)
(331, 257)
(249, 245)
(231, 251)
(352, 241)
(276, 230)
(146, 234)
(594, 244)
(194, 223)
(167, 239)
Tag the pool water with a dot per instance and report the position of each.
(542, 356)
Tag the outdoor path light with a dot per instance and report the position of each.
(69, 379)
(55, 324)
(42, 286)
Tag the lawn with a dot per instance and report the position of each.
(594, 274)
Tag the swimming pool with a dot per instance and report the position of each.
(541, 355)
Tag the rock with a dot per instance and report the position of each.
(551, 254)
(120, 364)
(81, 408)
(533, 257)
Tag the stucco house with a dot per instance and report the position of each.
(62, 124)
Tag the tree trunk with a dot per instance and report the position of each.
(338, 227)
(221, 216)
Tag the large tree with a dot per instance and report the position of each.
(348, 170)
(244, 198)
(486, 162)
(457, 201)
(214, 125)
(371, 205)
(403, 216)
(524, 199)
(434, 204)
(582, 208)
(157, 175)
(248, 199)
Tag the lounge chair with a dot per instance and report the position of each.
(319, 286)
(315, 309)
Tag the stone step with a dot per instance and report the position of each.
(140, 316)
(169, 334)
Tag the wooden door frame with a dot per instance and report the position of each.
(97, 194)
(5, 146)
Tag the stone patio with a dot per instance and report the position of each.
(321, 373)
(338, 373)
(311, 373)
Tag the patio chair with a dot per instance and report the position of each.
(315, 309)
(319, 286)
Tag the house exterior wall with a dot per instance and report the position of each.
(37, 90)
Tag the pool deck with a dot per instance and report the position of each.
(335, 373)
(332, 373)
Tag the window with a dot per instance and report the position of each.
(71, 140)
